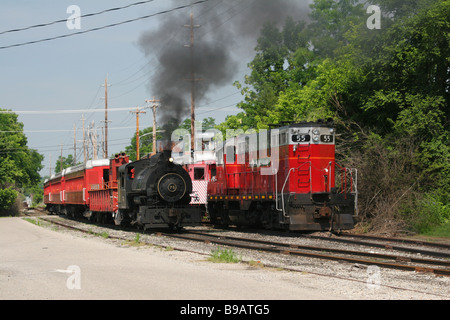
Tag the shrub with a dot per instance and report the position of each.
(430, 213)
(8, 197)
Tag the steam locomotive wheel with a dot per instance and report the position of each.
(171, 187)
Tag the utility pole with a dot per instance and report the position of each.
(61, 159)
(154, 106)
(106, 119)
(191, 47)
(84, 139)
(50, 165)
(74, 144)
(137, 112)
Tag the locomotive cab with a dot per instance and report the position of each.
(316, 193)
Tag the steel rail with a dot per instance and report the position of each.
(443, 263)
(399, 240)
(383, 246)
(268, 246)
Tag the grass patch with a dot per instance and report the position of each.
(137, 238)
(104, 235)
(136, 242)
(442, 231)
(33, 221)
(256, 264)
(224, 255)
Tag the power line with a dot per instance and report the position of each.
(54, 130)
(103, 27)
(208, 111)
(82, 16)
(24, 112)
(63, 111)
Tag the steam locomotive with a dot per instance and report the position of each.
(150, 193)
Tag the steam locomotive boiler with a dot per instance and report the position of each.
(155, 192)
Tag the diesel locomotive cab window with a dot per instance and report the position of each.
(199, 173)
(327, 138)
(283, 138)
(301, 138)
(213, 171)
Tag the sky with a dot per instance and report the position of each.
(45, 82)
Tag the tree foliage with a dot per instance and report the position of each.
(146, 136)
(388, 91)
(19, 165)
(145, 142)
(66, 162)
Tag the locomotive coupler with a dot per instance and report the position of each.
(322, 212)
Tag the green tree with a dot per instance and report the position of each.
(269, 74)
(145, 142)
(66, 162)
(388, 91)
(19, 165)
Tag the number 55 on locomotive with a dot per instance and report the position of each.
(286, 178)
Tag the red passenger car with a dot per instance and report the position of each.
(283, 178)
(104, 197)
(84, 190)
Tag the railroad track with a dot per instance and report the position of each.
(388, 243)
(88, 231)
(397, 240)
(400, 262)
(439, 267)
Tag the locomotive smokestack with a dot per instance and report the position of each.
(167, 154)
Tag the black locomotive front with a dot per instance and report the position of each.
(155, 192)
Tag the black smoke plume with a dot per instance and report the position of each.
(226, 27)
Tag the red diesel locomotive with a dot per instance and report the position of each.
(285, 178)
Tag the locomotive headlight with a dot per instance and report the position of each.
(170, 159)
(316, 133)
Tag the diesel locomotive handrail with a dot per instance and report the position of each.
(282, 189)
